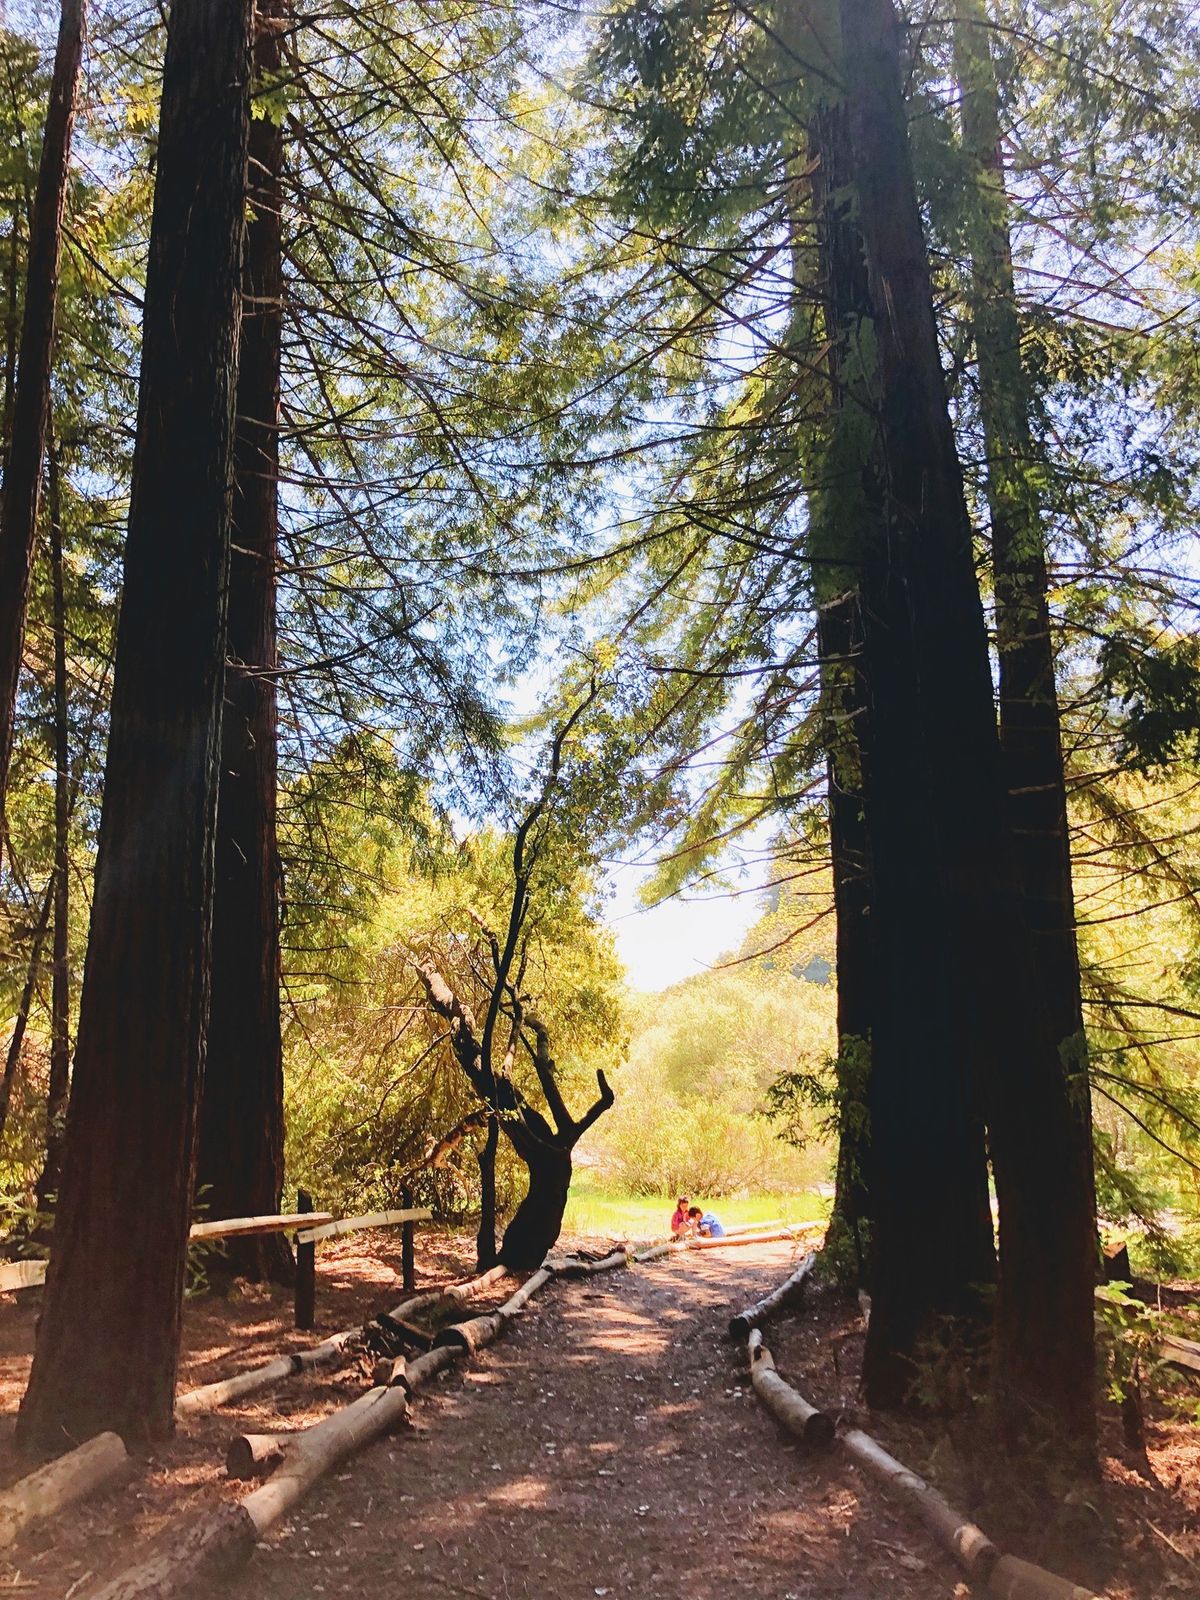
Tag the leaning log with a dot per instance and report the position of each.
(415, 1303)
(479, 1332)
(388, 1371)
(331, 1352)
(656, 1251)
(189, 1557)
(320, 1448)
(786, 1295)
(525, 1293)
(471, 1336)
(425, 1367)
(254, 1455)
(956, 1534)
(392, 1329)
(459, 1294)
(452, 1294)
(740, 1238)
(787, 1405)
(60, 1483)
(1012, 1579)
(1180, 1352)
(573, 1267)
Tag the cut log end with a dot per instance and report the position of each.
(469, 1336)
(388, 1372)
(254, 1455)
(788, 1294)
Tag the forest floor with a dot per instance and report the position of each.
(608, 1446)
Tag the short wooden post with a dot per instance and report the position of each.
(408, 1264)
(306, 1271)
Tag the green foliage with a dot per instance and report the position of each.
(836, 1094)
(555, 403)
(371, 1081)
(1158, 684)
(689, 1113)
(597, 1208)
(1129, 1348)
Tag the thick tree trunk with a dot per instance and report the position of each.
(925, 1171)
(537, 1221)
(31, 401)
(12, 325)
(485, 1241)
(1030, 725)
(545, 1150)
(839, 638)
(1043, 1369)
(239, 1164)
(107, 1346)
(60, 981)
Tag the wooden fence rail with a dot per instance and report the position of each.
(372, 1219)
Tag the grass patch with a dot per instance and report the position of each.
(594, 1209)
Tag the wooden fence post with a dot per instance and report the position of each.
(306, 1271)
(408, 1266)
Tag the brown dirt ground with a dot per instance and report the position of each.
(609, 1446)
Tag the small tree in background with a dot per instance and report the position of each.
(546, 852)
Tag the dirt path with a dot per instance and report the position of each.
(605, 1448)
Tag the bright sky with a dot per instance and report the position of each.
(678, 938)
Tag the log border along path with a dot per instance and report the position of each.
(989, 1570)
(192, 1555)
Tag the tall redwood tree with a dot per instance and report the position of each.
(1043, 1366)
(107, 1346)
(239, 1170)
(31, 396)
(1030, 724)
(900, 1050)
(60, 980)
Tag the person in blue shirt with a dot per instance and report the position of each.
(706, 1223)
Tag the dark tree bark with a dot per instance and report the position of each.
(239, 1169)
(537, 1222)
(902, 1057)
(12, 325)
(1030, 725)
(834, 546)
(544, 1147)
(936, 639)
(485, 1240)
(107, 1346)
(12, 1060)
(60, 981)
(840, 645)
(31, 400)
